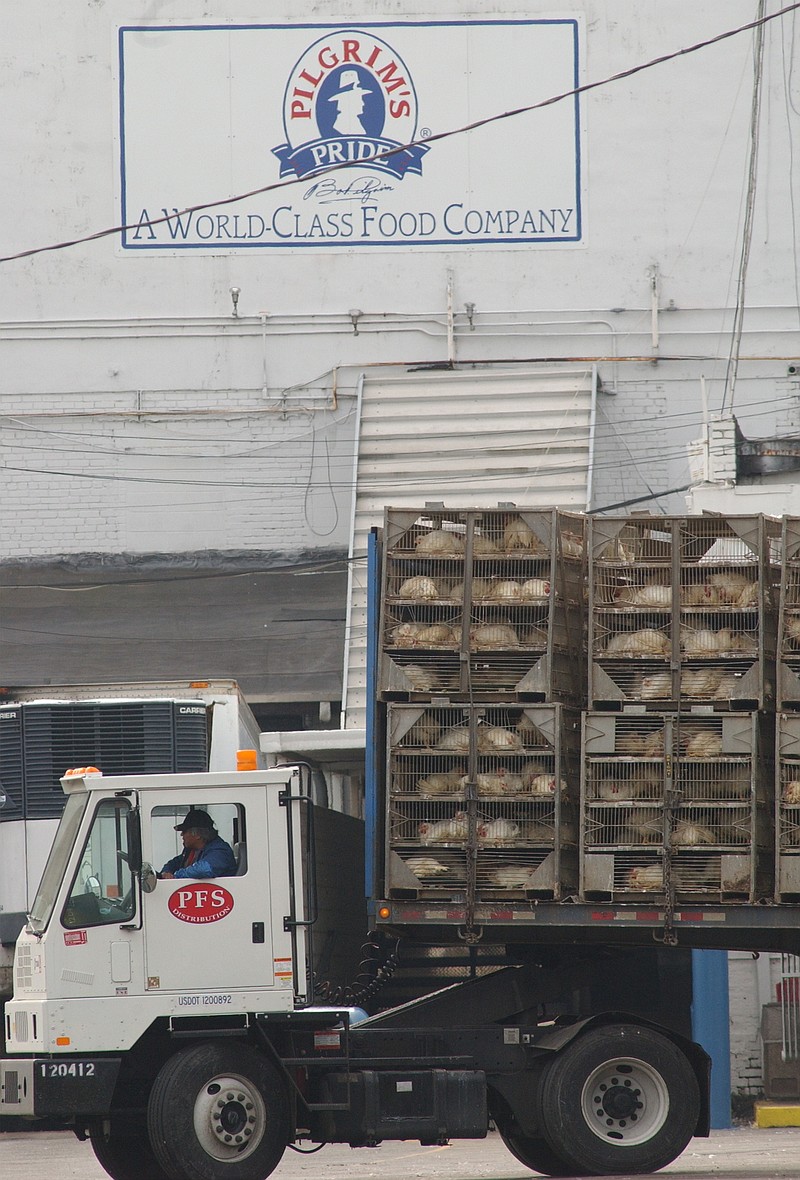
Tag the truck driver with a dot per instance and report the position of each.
(205, 853)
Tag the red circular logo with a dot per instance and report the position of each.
(200, 903)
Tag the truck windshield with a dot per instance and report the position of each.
(57, 861)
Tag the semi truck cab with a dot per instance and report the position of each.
(109, 947)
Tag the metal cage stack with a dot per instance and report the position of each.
(789, 616)
(787, 807)
(482, 604)
(682, 611)
(676, 806)
(482, 801)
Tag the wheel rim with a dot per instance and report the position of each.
(625, 1101)
(230, 1118)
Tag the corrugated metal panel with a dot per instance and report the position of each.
(469, 440)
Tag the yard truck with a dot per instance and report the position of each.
(173, 1022)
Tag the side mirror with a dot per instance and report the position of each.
(148, 878)
(134, 857)
(93, 886)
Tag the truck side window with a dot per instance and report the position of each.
(228, 820)
(102, 890)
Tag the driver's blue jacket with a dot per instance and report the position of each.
(216, 860)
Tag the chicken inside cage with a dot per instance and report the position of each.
(731, 780)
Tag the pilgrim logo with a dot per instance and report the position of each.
(350, 100)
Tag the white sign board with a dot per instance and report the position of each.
(321, 115)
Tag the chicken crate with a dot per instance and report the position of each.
(482, 603)
(787, 806)
(481, 801)
(689, 793)
(788, 643)
(681, 611)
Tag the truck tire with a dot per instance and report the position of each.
(537, 1155)
(121, 1147)
(621, 1099)
(218, 1111)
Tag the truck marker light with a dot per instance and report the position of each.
(63, 1041)
(384, 912)
(247, 760)
(76, 770)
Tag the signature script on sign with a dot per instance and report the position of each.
(360, 189)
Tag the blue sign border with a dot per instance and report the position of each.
(349, 244)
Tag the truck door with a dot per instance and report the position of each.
(222, 935)
(99, 919)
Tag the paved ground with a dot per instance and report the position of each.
(740, 1154)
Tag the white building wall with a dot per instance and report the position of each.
(131, 365)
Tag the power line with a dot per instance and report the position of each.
(464, 129)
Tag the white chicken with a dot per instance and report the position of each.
(440, 541)
(495, 832)
(423, 732)
(444, 831)
(482, 545)
(405, 635)
(544, 786)
(704, 743)
(436, 635)
(493, 636)
(506, 591)
(646, 642)
(511, 876)
(454, 738)
(495, 738)
(700, 683)
(498, 782)
(445, 782)
(733, 589)
(701, 642)
(653, 744)
(646, 826)
(421, 679)
(612, 790)
(480, 589)
(646, 878)
(425, 867)
(791, 792)
(791, 627)
(699, 594)
(571, 545)
(656, 686)
(630, 744)
(535, 589)
(652, 594)
(688, 834)
(419, 589)
(518, 535)
(529, 733)
(727, 687)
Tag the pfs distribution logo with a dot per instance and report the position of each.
(349, 100)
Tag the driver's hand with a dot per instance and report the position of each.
(167, 876)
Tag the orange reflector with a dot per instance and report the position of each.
(384, 912)
(80, 770)
(198, 684)
(62, 1040)
(247, 759)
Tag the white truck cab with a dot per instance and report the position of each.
(109, 947)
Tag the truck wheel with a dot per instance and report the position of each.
(121, 1147)
(218, 1111)
(537, 1155)
(619, 1099)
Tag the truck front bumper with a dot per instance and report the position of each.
(47, 1087)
